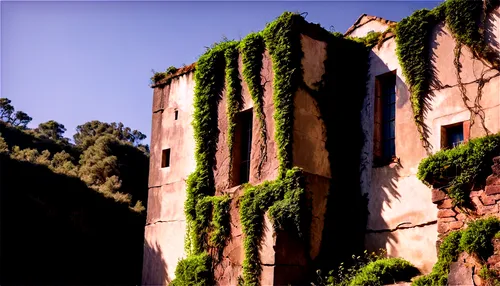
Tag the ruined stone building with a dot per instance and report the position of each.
(358, 149)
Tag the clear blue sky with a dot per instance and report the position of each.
(79, 61)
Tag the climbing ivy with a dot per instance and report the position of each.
(282, 39)
(370, 40)
(413, 45)
(209, 77)
(465, 18)
(458, 170)
(282, 199)
(252, 50)
(233, 95)
(475, 239)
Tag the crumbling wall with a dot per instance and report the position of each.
(484, 202)
(402, 217)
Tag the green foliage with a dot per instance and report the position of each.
(233, 94)
(209, 79)
(195, 270)
(370, 269)
(384, 271)
(115, 168)
(10, 116)
(252, 51)
(87, 134)
(465, 19)
(283, 199)
(62, 163)
(413, 36)
(448, 253)
(491, 276)
(4, 148)
(52, 130)
(221, 228)
(459, 169)
(171, 70)
(282, 39)
(369, 41)
(84, 235)
(477, 237)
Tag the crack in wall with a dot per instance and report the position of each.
(401, 227)
(165, 221)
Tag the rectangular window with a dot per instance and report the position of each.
(176, 114)
(165, 158)
(242, 148)
(385, 117)
(454, 135)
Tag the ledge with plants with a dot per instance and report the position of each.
(460, 170)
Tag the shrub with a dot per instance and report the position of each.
(371, 269)
(477, 237)
(194, 270)
(448, 252)
(384, 271)
(459, 169)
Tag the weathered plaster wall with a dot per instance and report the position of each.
(227, 272)
(282, 254)
(309, 137)
(402, 217)
(269, 169)
(165, 225)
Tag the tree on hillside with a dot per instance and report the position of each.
(88, 133)
(4, 148)
(10, 116)
(111, 165)
(51, 130)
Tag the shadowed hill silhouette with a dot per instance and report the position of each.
(56, 231)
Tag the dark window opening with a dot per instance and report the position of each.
(385, 118)
(176, 114)
(165, 158)
(242, 148)
(452, 135)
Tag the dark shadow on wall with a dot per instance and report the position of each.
(57, 231)
(379, 236)
(340, 99)
(155, 269)
(489, 31)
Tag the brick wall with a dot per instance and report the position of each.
(484, 202)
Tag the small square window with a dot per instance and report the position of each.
(452, 135)
(176, 114)
(165, 158)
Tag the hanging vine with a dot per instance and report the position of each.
(466, 20)
(413, 48)
(234, 99)
(283, 43)
(252, 50)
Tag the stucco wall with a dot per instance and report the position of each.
(165, 225)
(397, 199)
(227, 272)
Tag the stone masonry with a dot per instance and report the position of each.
(484, 202)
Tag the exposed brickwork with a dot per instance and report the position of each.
(484, 203)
